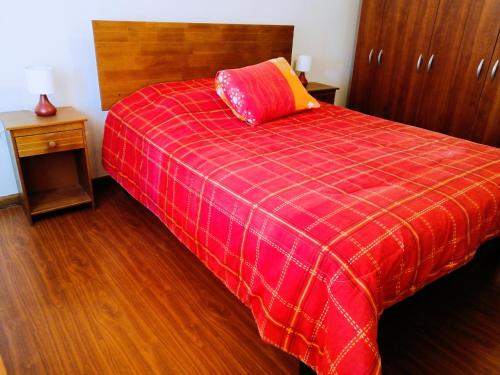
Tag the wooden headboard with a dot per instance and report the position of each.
(131, 55)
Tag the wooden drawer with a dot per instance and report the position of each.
(38, 144)
(22, 132)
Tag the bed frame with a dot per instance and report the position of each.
(131, 55)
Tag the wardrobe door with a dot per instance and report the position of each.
(441, 63)
(365, 60)
(409, 77)
(487, 125)
(476, 52)
(406, 34)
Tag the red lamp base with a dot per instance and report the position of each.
(303, 79)
(44, 107)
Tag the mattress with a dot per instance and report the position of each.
(317, 221)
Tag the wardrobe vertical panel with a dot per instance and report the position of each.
(487, 125)
(441, 64)
(367, 47)
(474, 60)
(406, 32)
(408, 79)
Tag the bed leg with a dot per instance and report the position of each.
(305, 369)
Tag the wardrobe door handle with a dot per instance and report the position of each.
(494, 70)
(370, 57)
(479, 69)
(379, 58)
(419, 62)
(429, 64)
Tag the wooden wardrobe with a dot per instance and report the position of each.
(431, 63)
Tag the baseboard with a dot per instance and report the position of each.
(10, 200)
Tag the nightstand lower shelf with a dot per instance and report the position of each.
(55, 199)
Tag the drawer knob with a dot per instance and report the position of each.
(52, 144)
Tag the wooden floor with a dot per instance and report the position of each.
(450, 327)
(111, 291)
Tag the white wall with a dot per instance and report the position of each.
(59, 33)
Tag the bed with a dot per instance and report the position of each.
(317, 221)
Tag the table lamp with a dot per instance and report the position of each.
(303, 65)
(41, 82)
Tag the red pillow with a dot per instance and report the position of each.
(263, 92)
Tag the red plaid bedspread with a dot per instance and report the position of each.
(317, 221)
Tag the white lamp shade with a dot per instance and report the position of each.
(40, 79)
(303, 63)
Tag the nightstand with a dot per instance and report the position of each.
(322, 92)
(52, 159)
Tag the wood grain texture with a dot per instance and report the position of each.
(58, 198)
(479, 42)
(368, 44)
(111, 291)
(387, 56)
(448, 97)
(17, 120)
(398, 97)
(447, 37)
(49, 142)
(131, 55)
(51, 154)
(10, 200)
(486, 127)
